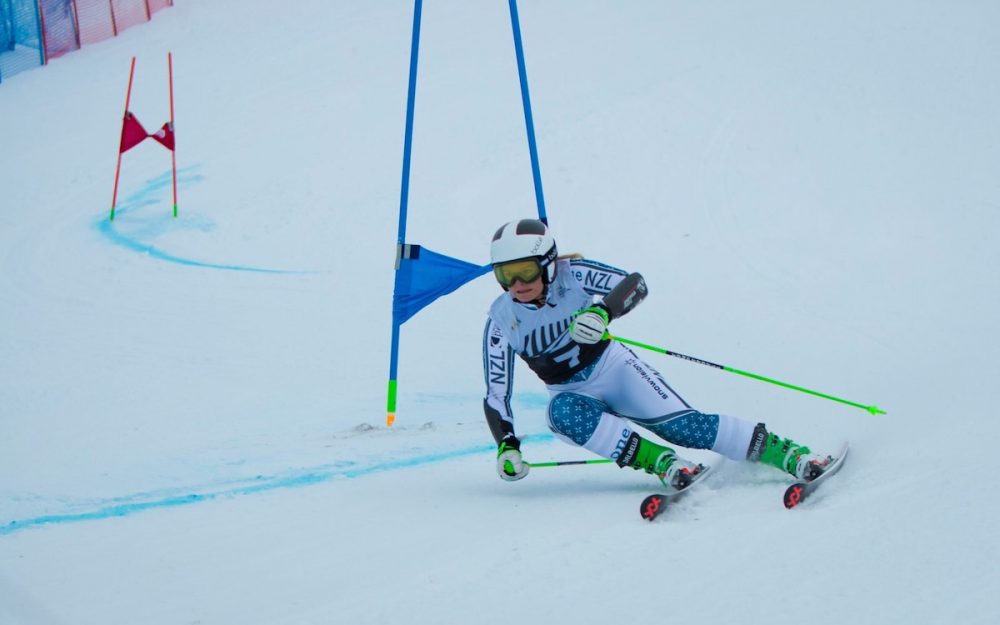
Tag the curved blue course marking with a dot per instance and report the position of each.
(149, 226)
(129, 505)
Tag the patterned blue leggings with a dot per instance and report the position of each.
(577, 416)
(598, 411)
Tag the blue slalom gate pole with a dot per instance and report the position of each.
(390, 415)
(528, 121)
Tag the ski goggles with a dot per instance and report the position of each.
(526, 271)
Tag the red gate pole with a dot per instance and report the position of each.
(76, 24)
(41, 29)
(173, 151)
(118, 167)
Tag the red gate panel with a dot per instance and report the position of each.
(94, 20)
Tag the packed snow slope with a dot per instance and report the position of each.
(191, 409)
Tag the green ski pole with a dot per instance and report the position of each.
(872, 409)
(563, 463)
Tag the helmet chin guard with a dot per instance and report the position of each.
(523, 239)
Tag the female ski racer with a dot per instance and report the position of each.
(554, 314)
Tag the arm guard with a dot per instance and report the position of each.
(499, 427)
(625, 296)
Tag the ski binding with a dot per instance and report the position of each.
(800, 490)
(655, 504)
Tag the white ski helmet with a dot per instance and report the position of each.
(524, 239)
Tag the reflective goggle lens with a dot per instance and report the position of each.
(524, 270)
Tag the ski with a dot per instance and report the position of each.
(800, 490)
(655, 504)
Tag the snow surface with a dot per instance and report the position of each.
(191, 409)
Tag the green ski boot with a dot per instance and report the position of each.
(658, 460)
(785, 454)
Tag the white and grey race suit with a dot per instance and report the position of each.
(597, 392)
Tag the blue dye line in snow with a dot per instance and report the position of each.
(127, 506)
(149, 195)
(107, 229)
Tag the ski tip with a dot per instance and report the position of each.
(794, 495)
(652, 506)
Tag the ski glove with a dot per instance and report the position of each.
(589, 325)
(510, 465)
